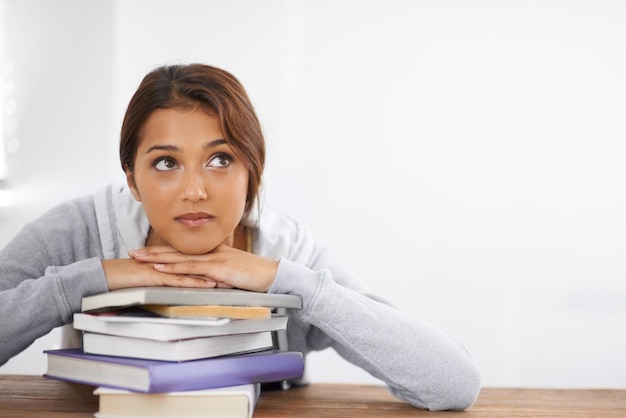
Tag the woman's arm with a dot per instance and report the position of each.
(45, 270)
(418, 362)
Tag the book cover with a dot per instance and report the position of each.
(153, 376)
(227, 402)
(165, 295)
(178, 350)
(169, 329)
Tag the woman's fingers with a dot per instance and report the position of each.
(179, 280)
(121, 273)
(194, 268)
(223, 267)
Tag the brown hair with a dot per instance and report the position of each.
(216, 91)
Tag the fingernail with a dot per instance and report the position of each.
(159, 266)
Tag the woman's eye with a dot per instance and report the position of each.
(165, 164)
(221, 160)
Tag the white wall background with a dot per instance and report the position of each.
(464, 158)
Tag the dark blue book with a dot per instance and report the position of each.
(153, 376)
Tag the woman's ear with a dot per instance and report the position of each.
(130, 180)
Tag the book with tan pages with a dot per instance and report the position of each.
(218, 311)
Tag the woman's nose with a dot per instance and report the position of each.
(194, 188)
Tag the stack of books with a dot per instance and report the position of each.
(163, 351)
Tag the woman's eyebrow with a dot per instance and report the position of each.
(171, 148)
(214, 143)
(175, 148)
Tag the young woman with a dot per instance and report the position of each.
(193, 153)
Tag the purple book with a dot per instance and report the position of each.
(153, 376)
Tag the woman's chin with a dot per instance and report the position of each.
(194, 249)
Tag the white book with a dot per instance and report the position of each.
(165, 295)
(226, 402)
(170, 329)
(180, 350)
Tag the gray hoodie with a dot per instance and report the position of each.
(55, 260)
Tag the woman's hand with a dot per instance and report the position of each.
(122, 273)
(223, 267)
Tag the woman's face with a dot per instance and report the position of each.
(192, 186)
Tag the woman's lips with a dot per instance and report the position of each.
(194, 220)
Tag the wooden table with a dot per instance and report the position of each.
(34, 396)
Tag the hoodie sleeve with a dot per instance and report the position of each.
(45, 270)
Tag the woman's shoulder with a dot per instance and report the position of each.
(56, 228)
(81, 211)
(69, 211)
(86, 205)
